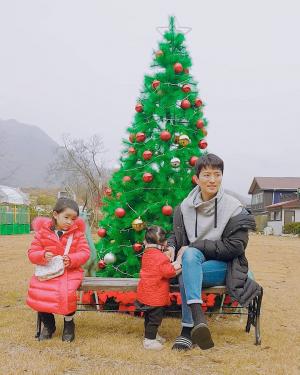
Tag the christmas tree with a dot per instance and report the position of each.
(157, 164)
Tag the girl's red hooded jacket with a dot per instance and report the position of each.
(153, 287)
(57, 295)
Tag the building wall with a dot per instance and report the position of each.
(268, 198)
(297, 215)
(277, 227)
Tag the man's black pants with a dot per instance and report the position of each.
(153, 319)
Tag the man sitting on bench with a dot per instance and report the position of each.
(210, 235)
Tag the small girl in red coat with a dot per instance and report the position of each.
(153, 288)
(58, 295)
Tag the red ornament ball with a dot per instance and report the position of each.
(159, 53)
(193, 160)
(178, 68)
(185, 104)
(198, 102)
(131, 150)
(167, 210)
(120, 212)
(108, 192)
(140, 137)
(126, 178)
(186, 88)
(137, 247)
(200, 124)
(139, 107)
(155, 84)
(186, 71)
(132, 138)
(101, 232)
(147, 155)
(147, 177)
(165, 136)
(202, 144)
(101, 264)
(194, 180)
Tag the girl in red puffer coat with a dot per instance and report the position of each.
(58, 295)
(153, 288)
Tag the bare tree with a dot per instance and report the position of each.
(79, 167)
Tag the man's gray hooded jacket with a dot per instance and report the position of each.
(230, 247)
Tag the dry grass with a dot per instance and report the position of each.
(111, 343)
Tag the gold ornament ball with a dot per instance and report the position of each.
(138, 225)
(112, 241)
(184, 140)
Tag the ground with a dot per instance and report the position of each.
(112, 343)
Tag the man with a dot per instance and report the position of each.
(210, 235)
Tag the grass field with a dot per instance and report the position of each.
(112, 343)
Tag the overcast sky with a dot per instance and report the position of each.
(71, 66)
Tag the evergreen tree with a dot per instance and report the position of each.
(157, 164)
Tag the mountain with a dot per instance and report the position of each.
(25, 153)
(245, 200)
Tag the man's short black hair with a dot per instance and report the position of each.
(209, 160)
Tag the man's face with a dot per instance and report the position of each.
(209, 181)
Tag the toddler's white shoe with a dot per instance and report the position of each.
(160, 339)
(152, 344)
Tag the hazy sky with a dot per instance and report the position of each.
(71, 66)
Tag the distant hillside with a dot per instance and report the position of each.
(25, 152)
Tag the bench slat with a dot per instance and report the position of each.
(126, 284)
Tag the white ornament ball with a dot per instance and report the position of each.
(109, 258)
(175, 162)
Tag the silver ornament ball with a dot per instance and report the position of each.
(109, 258)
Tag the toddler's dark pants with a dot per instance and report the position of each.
(48, 318)
(153, 319)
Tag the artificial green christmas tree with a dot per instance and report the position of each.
(157, 164)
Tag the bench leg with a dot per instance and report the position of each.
(221, 306)
(257, 326)
(38, 325)
(97, 300)
(254, 317)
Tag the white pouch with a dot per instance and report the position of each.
(55, 267)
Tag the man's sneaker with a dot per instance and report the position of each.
(160, 339)
(152, 344)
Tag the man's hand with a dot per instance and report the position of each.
(170, 253)
(180, 254)
(177, 267)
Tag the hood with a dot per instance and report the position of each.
(194, 200)
(207, 208)
(243, 220)
(45, 222)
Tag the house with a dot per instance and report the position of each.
(283, 213)
(267, 191)
(14, 211)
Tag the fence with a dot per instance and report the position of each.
(14, 219)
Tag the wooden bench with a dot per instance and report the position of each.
(97, 284)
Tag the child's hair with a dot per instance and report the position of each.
(63, 203)
(155, 234)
